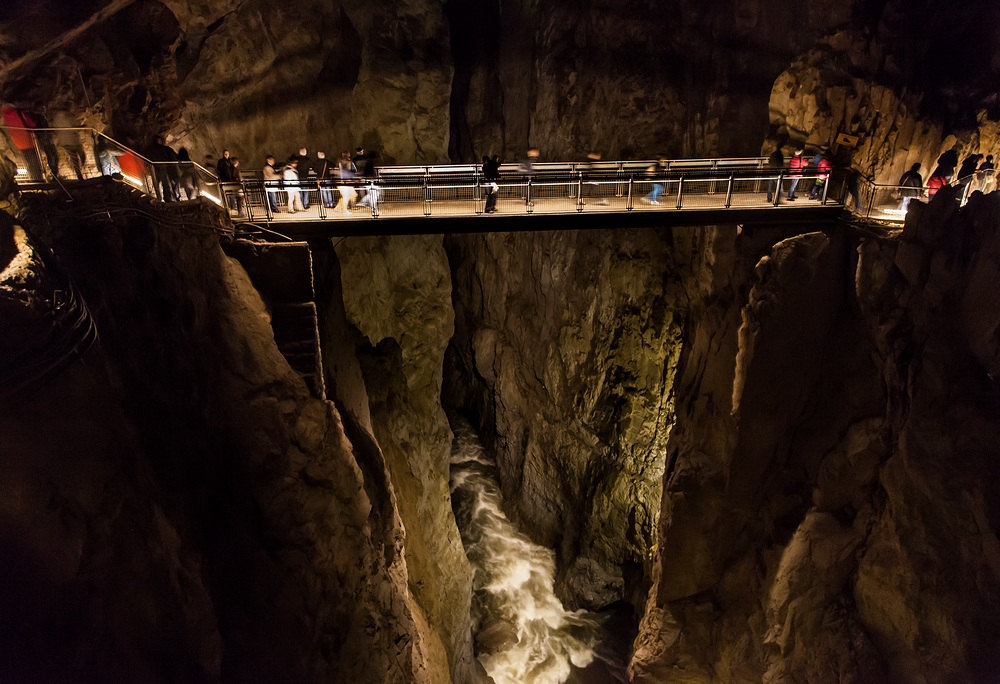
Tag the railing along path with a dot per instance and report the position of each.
(48, 157)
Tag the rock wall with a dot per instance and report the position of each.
(827, 508)
(426, 82)
(394, 297)
(178, 508)
(907, 99)
(564, 355)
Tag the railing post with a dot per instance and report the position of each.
(528, 204)
(269, 216)
(871, 201)
(321, 206)
(729, 192)
(427, 191)
(579, 192)
(826, 187)
(628, 202)
(777, 194)
(680, 191)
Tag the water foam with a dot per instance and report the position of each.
(513, 580)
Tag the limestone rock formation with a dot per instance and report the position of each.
(395, 293)
(907, 101)
(565, 349)
(827, 508)
(191, 513)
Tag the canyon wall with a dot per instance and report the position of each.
(829, 508)
(177, 506)
(564, 355)
(429, 82)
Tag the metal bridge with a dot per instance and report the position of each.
(650, 192)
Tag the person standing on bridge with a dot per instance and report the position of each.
(272, 183)
(776, 164)
(795, 166)
(304, 167)
(323, 176)
(823, 167)
(491, 173)
(291, 181)
(224, 168)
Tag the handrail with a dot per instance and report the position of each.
(624, 185)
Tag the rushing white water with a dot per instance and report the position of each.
(513, 581)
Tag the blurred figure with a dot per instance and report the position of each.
(346, 172)
(21, 126)
(68, 136)
(653, 197)
(911, 184)
(188, 177)
(987, 175)
(272, 183)
(290, 176)
(491, 173)
(46, 140)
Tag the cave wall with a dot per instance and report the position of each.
(393, 296)
(429, 82)
(177, 507)
(829, 508)
(564, 354)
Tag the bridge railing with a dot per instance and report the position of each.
(45, 156)
(443, 194)
(883, 202)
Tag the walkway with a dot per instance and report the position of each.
(732, 190)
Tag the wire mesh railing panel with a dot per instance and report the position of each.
(402, 200)
(453, 199)
(752, 192)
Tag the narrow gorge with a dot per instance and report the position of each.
(718, 453)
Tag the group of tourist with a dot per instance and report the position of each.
(289, 183)
(979, 174)
(798, 164)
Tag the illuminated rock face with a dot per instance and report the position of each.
(179, 508)
(834, 484)
(429, 82)
(565, 349)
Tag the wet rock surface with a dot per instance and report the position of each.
(807, 524)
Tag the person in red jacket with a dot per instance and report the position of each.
(20, 125)
(937, 181)
(823, 167)
(795, 166)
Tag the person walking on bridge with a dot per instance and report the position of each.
(823, 168)
(911, 184)
(795, 166)
(272, 183)
(291, 182)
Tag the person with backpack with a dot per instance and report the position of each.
(823, 168)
